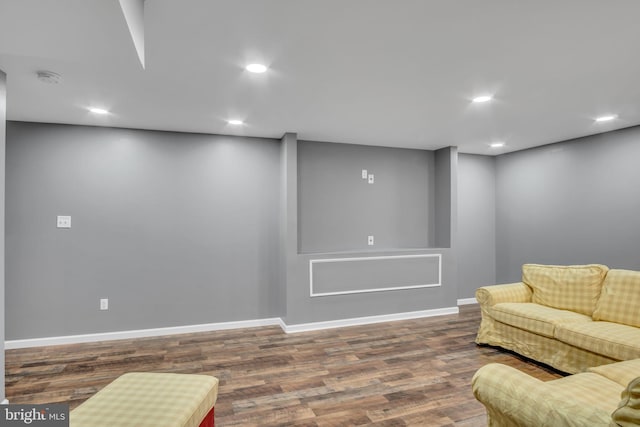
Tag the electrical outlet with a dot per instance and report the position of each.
(370, 240)
(370, 178)
(104, 303)
(64, 221)
(365, 175)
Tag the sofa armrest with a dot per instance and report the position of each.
(510, 292)
(513, 398)
(487, 297)
(628, 412)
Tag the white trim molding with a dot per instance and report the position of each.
(467, 301)
(140, 333)
(210, 327)
(312, 293)
(5, 402)
(331, 324)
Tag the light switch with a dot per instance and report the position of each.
(365, 175)
(370, 240)
(370, 178)
(64, 221)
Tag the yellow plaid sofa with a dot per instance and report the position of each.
(604, 396)
(569, 317)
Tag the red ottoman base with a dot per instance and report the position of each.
(208, 420)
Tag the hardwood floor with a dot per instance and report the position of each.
(414, 372)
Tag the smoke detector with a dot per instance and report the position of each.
(48, 77)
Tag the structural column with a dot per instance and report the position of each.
(3, 133)
(289, 217)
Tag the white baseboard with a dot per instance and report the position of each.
(4, 402)
(209, 327)
(467, 301)
(140, 333)
(306, 327)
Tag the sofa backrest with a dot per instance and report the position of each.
(566, 287)
(620, 298)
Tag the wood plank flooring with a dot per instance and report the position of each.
(404, 373)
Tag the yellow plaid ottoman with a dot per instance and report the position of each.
(144, 399)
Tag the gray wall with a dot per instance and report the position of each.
(574, 202)
(476, 223)
(180, 229)
(3, 118)
(302, 308)
(370, 273)
(338, 209)
(175, 229)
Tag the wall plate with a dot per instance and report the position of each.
(64, 221)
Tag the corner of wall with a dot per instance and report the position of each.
(288, 215)
(446, 170)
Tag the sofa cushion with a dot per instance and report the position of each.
(628, 412)
(536, 318)
(620, 298)
(145, 399)
(613, 340)
(573, 287)
(620, 372)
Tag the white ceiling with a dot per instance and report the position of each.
(392, 73)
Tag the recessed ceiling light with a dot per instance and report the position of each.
(482, 98)
(95, 110)
(256, 68)
(606, 118)
(235, 122)
(496, 144)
